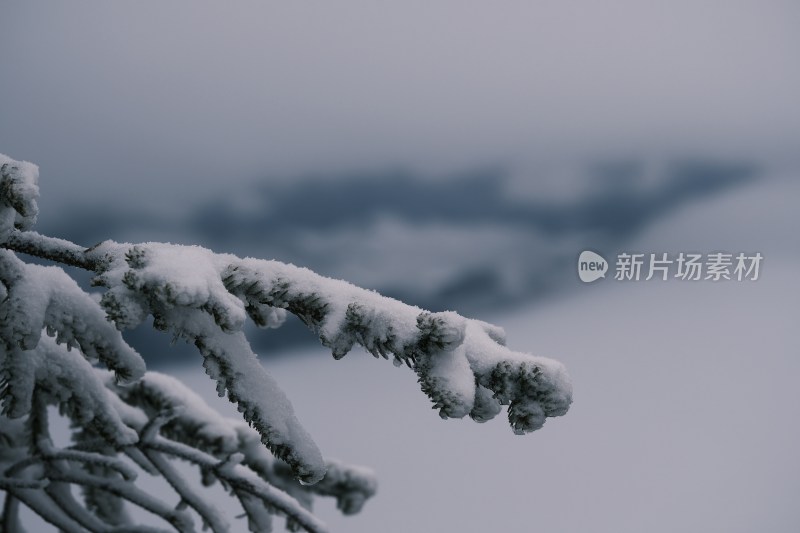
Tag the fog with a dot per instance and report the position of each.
(164, 103)
(460, 155)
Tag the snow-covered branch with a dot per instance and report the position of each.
(19, 191)
(444, 349)
(268, 461)
(58, 250)
(38, 480)
(462, 364)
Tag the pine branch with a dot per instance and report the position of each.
(463, 365)
(351, 486)
(179, 519)
(10, 518)
(19, 192)
(342, 315)
(87, 458)
(258, 518)
(457, 360)
(56, 477)
(63, 375)
(44, 247)
(240, 479)
(10, 483)
(211, 516)
(40, 503)
(94, 459)
(62, 496)
(185, 416)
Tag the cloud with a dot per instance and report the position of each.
(473, 241)
(168, 102)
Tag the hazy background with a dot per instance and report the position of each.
(460, 155)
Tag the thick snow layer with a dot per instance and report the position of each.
(195, 422)
(68, 379)
(39, 298)
(205, 298)
(449, 353)
(19, 191)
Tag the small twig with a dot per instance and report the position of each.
(137, 529)
(207, 511)
(62, 497)
(133, 453)
(257, 513)
(69, 455)
(93, 458)
(21, 465)
(180, 520)
(59, 250)
(137, 456)
(40, 503)
(9, 483)
(10, 519)
(241, 479)
(154, 425)
(236, 475)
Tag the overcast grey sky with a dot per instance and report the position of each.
(117, 98)
(685, 412)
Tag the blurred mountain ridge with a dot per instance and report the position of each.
(473, 241)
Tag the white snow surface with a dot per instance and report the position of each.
(44, 298)
(19, 193)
